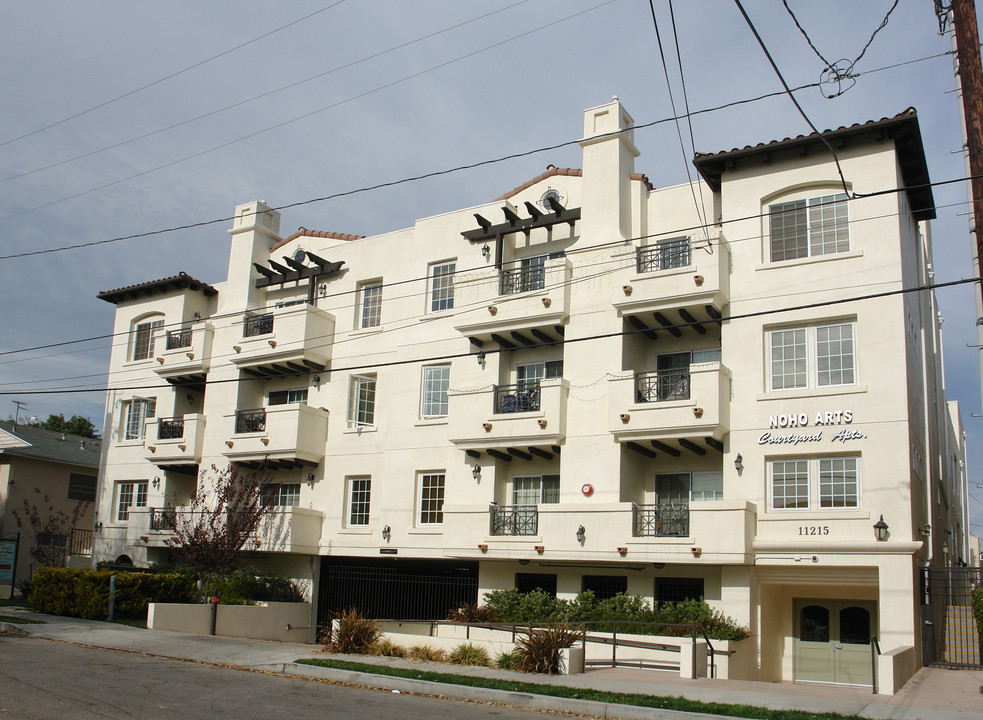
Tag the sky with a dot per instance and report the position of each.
(122, 118)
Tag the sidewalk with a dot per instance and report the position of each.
(933, 694)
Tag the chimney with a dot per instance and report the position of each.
(609, 161)
(254, 231)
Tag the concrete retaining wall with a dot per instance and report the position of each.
(253, 622)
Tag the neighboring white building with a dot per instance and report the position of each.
(574, 386)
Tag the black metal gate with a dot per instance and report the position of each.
(949, 634)
(395, 589)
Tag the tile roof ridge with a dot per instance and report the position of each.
(304, 232)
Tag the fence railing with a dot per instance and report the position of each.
(163, 518)
(170, 428)
(257, 325)
(514, 520)
(523, 279)
(661, 385)
(81, 542)
(660, 520)
(516, 398)
(178, 338)
(249, 421)
(664, 255)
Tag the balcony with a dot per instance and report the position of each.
(281, 436)
(184, 355)
(172, 443)
(514, 519)
(662, 520)
(671, 404)
(289, 340)
(509, 416)
(518, 306)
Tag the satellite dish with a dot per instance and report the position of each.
(33, 420)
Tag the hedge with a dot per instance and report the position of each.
(85, 593)
(978, 611)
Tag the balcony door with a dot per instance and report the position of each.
(832, 641)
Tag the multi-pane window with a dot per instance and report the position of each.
(137, 412)
(680, 488)
(359, 495)
(794, 485)
(431, 498)
(536, 490)
(821, 356)
(807, 228)
(442, 286)
(370, 305)
(297, 396)
(361, 401)
(676, 589)
(81, 487)
(143, 339)
(280, 495)
(129, 495)
(433, 391)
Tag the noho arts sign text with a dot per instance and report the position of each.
(821, 420)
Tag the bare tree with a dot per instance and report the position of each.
(48, 529)
(226, 511)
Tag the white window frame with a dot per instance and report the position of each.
(362, 400)
(137, 412)
(294, 396)
(431, 506)
(142, 347)
(820, 491)
(129, 494)
(433, 390)
(358, 501)
(441, 277)
(816, 226)
(818, 372)
(370, 304)
(546, 488)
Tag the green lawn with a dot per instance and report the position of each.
(653, 701)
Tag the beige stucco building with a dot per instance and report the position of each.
(715, 390)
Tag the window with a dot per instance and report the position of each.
(674, 589)
(527, 582)
(370, 304)
(531, 374)
(359, 493)
(280, 495)
(793, 488)
(680, 488)
(81, 487)
(288, 397)
(129, 495)
(807, 228)
(442, 286)
(433, 391)
(605, 586)
(137, 412)
(361, 401)
(536, 490)
(432, 498)
(821, 356)
(143, 339)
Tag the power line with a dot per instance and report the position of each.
(168, 77)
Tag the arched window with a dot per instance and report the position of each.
(142, 336)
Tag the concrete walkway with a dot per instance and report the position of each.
(933, 694)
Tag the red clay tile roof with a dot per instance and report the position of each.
(552, 171)
(304, 232)
(180, 281)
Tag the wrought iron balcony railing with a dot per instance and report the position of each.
(170, 428)
(523, 279)
(664, 255)
(81, 542)
(514, 520)
(250, 421)
(516, 398)
(178, 338)
(661, 520)
(659, 385)
(163, 518)
(257, 325)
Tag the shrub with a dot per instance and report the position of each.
(512, 606)
(468, 654)
(356, 634)
(85, 593)
(387, 648)
(247, 586)
(978, 610)
(507, 661)
(539, 650)
(425, 653)
(471, 613)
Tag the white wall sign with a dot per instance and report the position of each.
(823, 418)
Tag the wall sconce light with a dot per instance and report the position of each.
(191, 355)
(925, 530)
(625, 417)
(739, 463)
(492, 309)
(197, 316)
(386, 532)
(272, 343)
(160, 360)
(98, 526)
(880, 529)
(481, 359)
(476, 472)
(486, 426)
(698, 279)
(237, 348)
(483, 547)
(317, 379)
(581, 534)
(229, 443)
(190, 398)
(547, 302)
(485, 251)
(627, 289)
(622, 551)
(540, 549)
(156, 483)
(698, 411)
(542, 423)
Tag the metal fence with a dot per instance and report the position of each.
(523, 397)
(170, 428)
(523, 279)
(664, 255)
(248, 421)
(514, 520)
(178, 339)
(257, 325)
(660, 385)
(81, 542)
(950, 637)
(664, 519)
